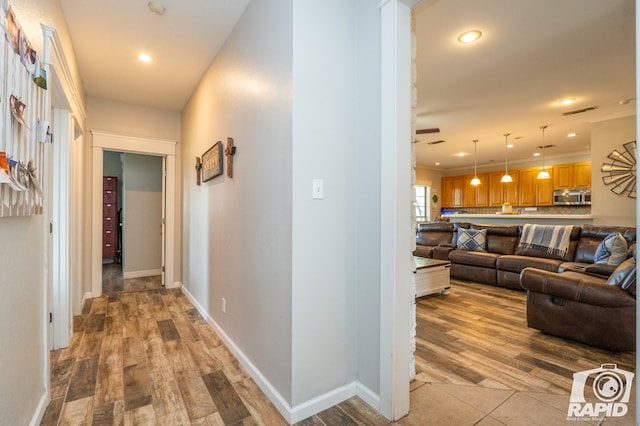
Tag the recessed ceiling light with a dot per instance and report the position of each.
(566, 101)
(437, 163)
(536, 154)
(469, 36)
(459, 154)
(144, 57)
(572, 135)
(156, 8)
(510, 145)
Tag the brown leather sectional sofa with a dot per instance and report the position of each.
(567, 296)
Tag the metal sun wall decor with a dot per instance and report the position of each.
(620, 174)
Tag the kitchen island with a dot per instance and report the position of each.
(522, 218)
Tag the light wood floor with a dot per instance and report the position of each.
(148, 357)
(478, 335)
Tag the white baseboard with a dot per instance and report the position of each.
(300, 411)
(85, 296)
(370, 397)
(141, 274)
(176, 284)
(40, 409)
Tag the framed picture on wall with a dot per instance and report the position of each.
(212, 162)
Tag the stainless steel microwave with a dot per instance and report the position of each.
(572, 197)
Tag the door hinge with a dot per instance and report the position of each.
(163, 269)
(50, 228)
(164, 221)
(50, 317)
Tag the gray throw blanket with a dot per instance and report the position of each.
(553, 239)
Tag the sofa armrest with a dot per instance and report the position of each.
(442, 252)
(600, 269)
(576, 287)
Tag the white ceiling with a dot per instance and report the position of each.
(531, 54)
(108, 37)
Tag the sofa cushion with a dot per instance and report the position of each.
(516, 263)
(612, 250)
(434, 233)
(625, 276)
(472, 239)
(473, 258)
(423, 251)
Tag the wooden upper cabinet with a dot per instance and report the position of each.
(446, 192)
(527, 187)
(482, 191)
(458, 191)
(500, 193)
(544, 191)
(476, 196)
(582, 175)
(470, 192)
(534, 191)
(570, 176)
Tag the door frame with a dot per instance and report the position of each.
(396, 232)
(104, 141)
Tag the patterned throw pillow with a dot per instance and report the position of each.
(612, 250)
(472, 239)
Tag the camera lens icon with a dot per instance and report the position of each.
(608, 386)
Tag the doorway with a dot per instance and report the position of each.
(133, 208)
(142, 154)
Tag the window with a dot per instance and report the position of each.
(423, 212)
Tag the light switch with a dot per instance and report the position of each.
(318, 191)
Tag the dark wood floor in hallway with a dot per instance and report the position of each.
(148, 357)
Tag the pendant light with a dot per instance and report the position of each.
(475, 181)
(544, 174)
(506, 178)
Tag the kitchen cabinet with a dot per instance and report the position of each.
(582, 175)
(476, 196)
(571, 176)
(500, 193)
(452, 189)
(533, 191)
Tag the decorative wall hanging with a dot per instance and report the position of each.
(198, 170)
(212, 162)
(620, 174)
(22, 107)
(230, 151)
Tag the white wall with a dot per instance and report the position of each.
(609, 208)
(142, 215)
(336, 137)
(21, 333)
(237, 232)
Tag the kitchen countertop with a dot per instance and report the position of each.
(558, 219)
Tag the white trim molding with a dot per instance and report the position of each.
(395, 212)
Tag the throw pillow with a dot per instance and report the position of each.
(472, 239)
(612, 250)
(625, 276)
